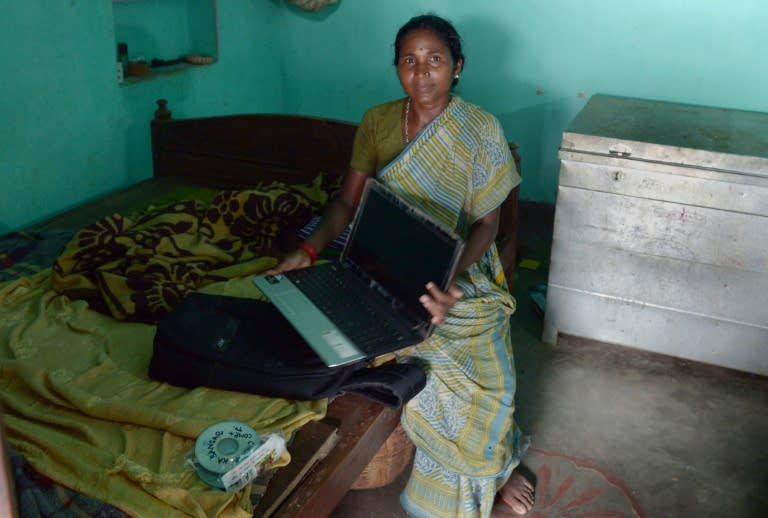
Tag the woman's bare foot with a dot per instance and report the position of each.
(515, 498)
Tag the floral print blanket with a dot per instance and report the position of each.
(138, 267)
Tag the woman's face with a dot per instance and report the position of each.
(425, 68)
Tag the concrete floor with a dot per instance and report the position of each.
(684, 439)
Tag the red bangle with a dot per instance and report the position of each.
(310, 250)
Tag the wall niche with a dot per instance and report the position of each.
(156, 37)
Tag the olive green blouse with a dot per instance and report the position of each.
(379, 138)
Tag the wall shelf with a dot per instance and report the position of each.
(165, 30)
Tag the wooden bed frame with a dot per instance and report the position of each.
(240, 150)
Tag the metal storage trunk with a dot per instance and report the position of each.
(661, 231)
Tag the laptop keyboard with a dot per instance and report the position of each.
(354, 315)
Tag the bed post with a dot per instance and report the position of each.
(507, 238)
(162, 113)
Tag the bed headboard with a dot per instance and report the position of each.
(242, 149)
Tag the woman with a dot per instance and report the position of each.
(450, 158)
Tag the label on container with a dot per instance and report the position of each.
(260, 459)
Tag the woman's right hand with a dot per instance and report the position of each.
(293, 261)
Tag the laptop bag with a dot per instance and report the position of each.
(246, 345)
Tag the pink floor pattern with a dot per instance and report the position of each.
(568, 487)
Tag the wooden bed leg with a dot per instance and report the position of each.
(363, 428)
(8, 504)
(311, 445)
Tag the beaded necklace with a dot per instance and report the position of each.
(406, 137)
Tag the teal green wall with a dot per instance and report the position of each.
(70, 133)
(534, 63)
(175, 27)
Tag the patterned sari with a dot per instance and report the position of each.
(459, 168)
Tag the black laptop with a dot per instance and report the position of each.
(367, 303)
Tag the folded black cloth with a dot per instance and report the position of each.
(246, 345)
(391, 384)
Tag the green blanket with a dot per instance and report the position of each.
(80, 407)
(78, 403)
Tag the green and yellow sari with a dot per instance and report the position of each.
(459, 168)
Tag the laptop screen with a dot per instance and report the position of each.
(400, 249)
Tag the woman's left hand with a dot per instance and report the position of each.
(438, 302)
